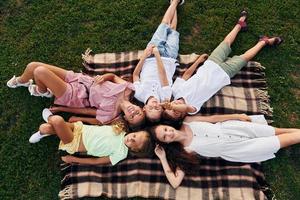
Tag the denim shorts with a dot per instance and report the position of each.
(167, 41)
(230, 65)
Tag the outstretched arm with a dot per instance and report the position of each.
(160, 68)
(86, 161)
(108, 77)
(174, 178)
(189, 72)
(138, 67)
(178, 107)
(218, 118)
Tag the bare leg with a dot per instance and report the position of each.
(29, 70)
(248, 55)
(46, 128)
(62, 129)
(170, 12)
(229, 39)
(46, 78)
(289, 139)
(174, 21)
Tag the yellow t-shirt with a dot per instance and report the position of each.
(102, 141)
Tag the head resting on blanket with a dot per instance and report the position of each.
(177, 156)
(133, 114)
(173, 116)
(153, 110)
(139, 143)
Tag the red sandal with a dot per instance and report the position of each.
(243, 24)
(277, 42)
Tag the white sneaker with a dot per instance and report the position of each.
(46, 114)
(34, 91)
(36, 137)
(13, 83)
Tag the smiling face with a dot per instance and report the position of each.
(153, 110)
(133, 114)
(135, 140)
(175, 115)
(165, 133)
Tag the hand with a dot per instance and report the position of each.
(100, 79)
(160, 152)
(56, 109)
(155, 50)
(244, 117)
(166, 105)
(148, 51)
(68, 159)
(74, 119)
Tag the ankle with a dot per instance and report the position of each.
(41, 90)
(19, 80)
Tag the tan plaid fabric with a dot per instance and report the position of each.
(215, 179)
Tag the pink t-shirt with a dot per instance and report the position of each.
(81, 92)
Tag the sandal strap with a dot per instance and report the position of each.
(265, 39)
(242, 23)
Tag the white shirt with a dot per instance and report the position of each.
(149, 84)
(207, 81)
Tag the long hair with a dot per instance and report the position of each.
(147, 150)
(177, 156)
(119, 125)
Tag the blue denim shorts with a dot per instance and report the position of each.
(167, 41)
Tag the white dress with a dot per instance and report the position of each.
(235, 141)
(207, 81)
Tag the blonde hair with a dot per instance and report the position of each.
(119, 126)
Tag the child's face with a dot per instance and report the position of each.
(135, 140)
(133, 114)
(174, 114)
(153, 109)
(166, 133)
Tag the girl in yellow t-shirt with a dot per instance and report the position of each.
(109, 142)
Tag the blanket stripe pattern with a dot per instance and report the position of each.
(214, 179)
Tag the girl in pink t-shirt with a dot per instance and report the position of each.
(101, 98)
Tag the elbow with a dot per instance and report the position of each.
(175, 185)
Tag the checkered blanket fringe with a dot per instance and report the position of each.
(214, 179)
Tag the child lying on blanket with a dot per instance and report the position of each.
(152, 76)
(101, 97)
(231, 137)
(190, 92)
(110, 143)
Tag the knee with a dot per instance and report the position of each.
(227, 41)
(32, 65)
(45, 128)
(40, 71)
(55, 120)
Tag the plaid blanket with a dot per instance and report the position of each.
(215, 178)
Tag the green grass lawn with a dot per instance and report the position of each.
(57, 32)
